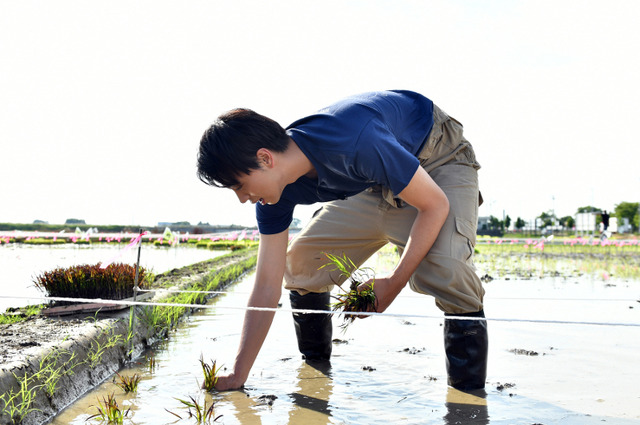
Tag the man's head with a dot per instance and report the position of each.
(229, 148)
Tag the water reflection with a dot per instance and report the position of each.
(311, 401)
(308, 404)
(244, 407)
(466, 407)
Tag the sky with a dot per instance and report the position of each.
(102, 104)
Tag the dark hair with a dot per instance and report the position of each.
(228, 148)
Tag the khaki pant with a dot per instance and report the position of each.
(359, 226)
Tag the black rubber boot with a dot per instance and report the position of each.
(466, 345)
(314, 331)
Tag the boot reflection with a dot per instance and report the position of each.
(311, 401)
(244, 406)
(466, 407)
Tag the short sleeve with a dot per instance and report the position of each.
(275, 218)
(382, 159)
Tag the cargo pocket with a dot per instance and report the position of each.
(464, 240)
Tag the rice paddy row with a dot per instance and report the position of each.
(569, 258)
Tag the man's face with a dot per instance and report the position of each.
(259, 186)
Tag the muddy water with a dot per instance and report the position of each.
(391, 369)
(19, 264)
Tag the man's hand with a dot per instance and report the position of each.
(386, 291)
(228, 382)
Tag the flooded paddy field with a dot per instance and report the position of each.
(391, 368)
(20, 263)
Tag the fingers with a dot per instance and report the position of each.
(365, 286)
(227, 383)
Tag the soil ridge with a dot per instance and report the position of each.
(49, 362)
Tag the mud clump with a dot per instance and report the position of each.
(523, 352)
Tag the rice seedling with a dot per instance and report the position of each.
(203, 414)
(97, 349)
(108, 410)
(210, 374)
(152, 364)
(50, 371)
(17, 403)
(128, 384)
(151, 318)
(352, 301)
(160, 319)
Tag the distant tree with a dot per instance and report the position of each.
(586, 209)
(181, 223)
(520, 223)
(40, 222)
(494, 223)
(567, 222)
(507, 222)
(546, 219)
(296, 223)
(628, 210)
(74, 221)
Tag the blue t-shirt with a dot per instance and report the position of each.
(361, 141)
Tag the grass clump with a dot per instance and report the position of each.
(353, 300)
(90, 281)
(19, 314)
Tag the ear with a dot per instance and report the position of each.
(265, 157)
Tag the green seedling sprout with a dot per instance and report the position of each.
(17, 403)
(108, 410)
(352, 300)
(210, 374)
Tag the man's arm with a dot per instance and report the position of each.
(433, 207)
(266, 293)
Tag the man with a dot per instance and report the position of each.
(389, 166)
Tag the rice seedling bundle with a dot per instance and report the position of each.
(90, 281)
